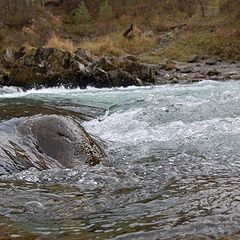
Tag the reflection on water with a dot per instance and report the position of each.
(175, 169)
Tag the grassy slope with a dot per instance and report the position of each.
(215, 35)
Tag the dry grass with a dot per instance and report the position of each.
(218, 37)
(102, 46)
(56, 42)
(117, 45)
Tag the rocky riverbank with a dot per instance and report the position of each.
(51, 67)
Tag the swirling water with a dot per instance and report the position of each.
(175, 166)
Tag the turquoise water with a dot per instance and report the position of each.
(175, 163)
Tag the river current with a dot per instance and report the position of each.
(174, 166)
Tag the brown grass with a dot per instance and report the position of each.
(117, 45)
(213, 37)
(56, 42)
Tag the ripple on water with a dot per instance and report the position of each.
(175, 169)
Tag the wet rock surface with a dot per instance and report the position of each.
(46, 141)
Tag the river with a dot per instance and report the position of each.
(174, 167)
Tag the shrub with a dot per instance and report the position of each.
(82, 14)
(106, 11)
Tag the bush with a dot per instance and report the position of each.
(106, 11)
(82, 14)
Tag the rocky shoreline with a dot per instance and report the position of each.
(50, 67)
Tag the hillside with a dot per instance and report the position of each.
(170, 29)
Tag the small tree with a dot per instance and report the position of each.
(82, 14)
(106, 11)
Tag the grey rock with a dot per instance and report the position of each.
(104, 63)
(131, 58)
(212, 72)
(211, 61)
(236, 77)
(143, 71)
(185, 69)
(161, 65)
(43, 53)
(61, 140)
(84, 56)
(193, 59)
(120, 78)
(77, 67)
(99, 78)
(8, 58)
(231, 72)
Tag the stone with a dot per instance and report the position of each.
(8, 58)
(5, 79)
(43, 53)
(142, 71)
(84, 56)
(77, 66)
(193, 59)
(131, 58)
(104, 63)
(170, 66)
(99, 78)
(61, 140)
(212, 72)
(235, 77)
(211, 61)
(120, 78)
(20, 53)
(185, 69)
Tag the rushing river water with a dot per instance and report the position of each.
(175, 166)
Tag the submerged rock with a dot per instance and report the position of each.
(46, 142)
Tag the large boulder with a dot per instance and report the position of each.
(45, 66)
(143, 71)
(104, 63)
(47, 141)
(84, 56)
(122, 78)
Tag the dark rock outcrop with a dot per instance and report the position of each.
(54, 67)
(122, 78)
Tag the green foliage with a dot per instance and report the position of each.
(82, 14)
(131, 3)
(106, 11)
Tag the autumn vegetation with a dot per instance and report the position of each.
(202, 27)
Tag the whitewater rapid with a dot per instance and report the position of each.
(175, 165)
